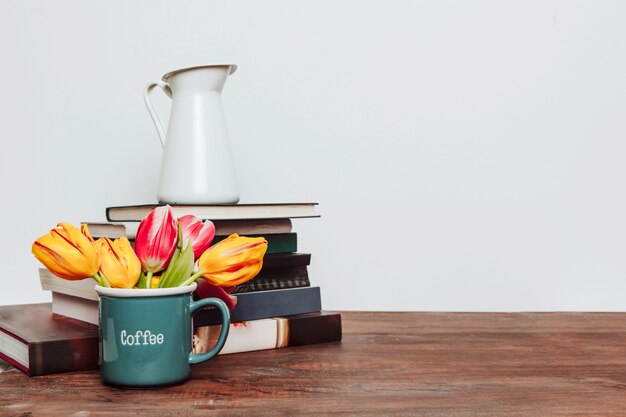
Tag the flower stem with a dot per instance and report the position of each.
(192, 278)
(97, 278)
(105, 282)
(149, 279)
(101, 280)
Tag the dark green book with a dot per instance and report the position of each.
(276, 243)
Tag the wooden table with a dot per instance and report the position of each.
(425, 364)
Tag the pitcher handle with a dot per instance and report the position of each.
(153, 114)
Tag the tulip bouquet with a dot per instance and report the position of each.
(168, 252)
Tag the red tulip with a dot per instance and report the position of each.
(199, 234)
(156, 239)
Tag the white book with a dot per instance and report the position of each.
(271, 333)
(112, 230)
(247, 336)
(75, 307)
(84, 288)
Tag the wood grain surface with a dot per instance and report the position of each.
(405, 364)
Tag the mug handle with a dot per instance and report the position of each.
(153, 114)
(221, 306)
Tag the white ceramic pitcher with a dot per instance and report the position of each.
(197, 165)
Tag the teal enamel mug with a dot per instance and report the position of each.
(146, 335)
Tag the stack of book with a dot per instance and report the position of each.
(278, 308)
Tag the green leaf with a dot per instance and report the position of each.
(142, 280)
(180, 270)
(165, 276)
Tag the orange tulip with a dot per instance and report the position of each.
(67, 253)
(233, 261)
(120, 265)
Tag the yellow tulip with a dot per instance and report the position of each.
(67, 253)
(120, 265)
(233, 261)
(84, 230)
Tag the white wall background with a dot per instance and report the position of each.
(466, 155)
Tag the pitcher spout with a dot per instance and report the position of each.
(204, 77)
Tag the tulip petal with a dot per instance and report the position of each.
(199, 234)
(85, 231)
(207, 290)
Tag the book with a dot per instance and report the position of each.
(78, 308)
(276, 243)
(265, 304)
(280, 260)
(279, 271)
(85, 288)
(245, 227)
(271, 333)
(218, 212)
(276, 279)
(38, 342)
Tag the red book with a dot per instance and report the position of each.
(38, 342)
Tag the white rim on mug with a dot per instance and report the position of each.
(144, 292)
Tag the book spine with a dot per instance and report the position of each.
(68, 355)
(286, 259)
(276, 243)
(75, 307)
(218, 212)
(85, 288)
(265, 304)
(252, 227)
(280, 332)
(314, 328)
(276, 279)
